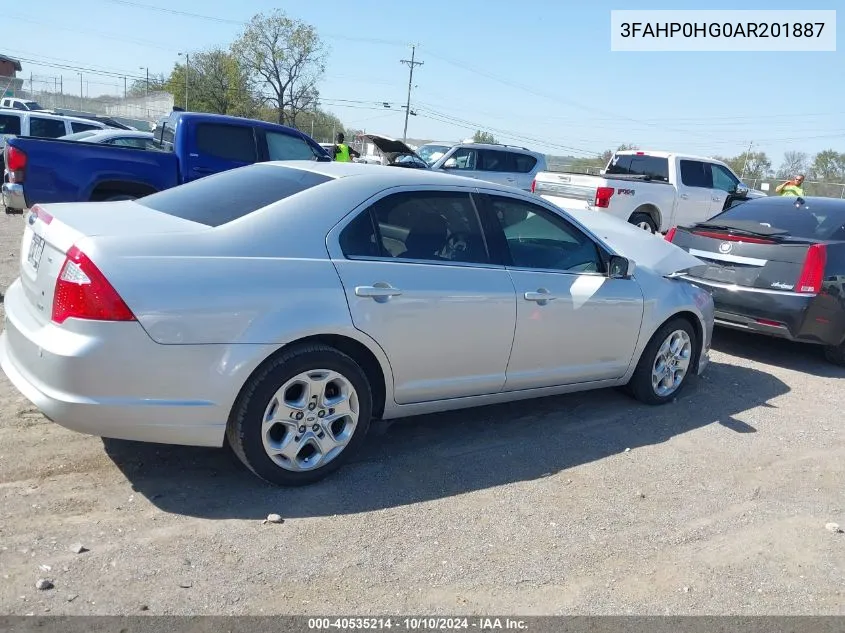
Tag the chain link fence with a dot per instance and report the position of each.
(811, 187)
(110, 99)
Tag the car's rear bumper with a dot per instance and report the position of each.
(112, 380)
(13, 197)
(804, 318)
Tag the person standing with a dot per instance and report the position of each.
(792, 187)
(342, 152)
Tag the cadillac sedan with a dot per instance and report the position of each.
(280, 307)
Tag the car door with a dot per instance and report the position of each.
(217, 147)
(497, 166)
(418, 280)
(695, 192)
(574, 324)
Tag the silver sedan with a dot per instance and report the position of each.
(280, 307)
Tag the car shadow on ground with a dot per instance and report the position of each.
(436, 456)
(803, 357)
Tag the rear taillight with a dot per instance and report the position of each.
(603, 195)
(670, 234)
(83, 292)
(41, 214)
(727, 237)
(533, 185)
(812, 274)
(15, 164)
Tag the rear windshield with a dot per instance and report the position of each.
(219, 199)
(819, 220)
(639, 165)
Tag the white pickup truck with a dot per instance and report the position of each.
(653, 190)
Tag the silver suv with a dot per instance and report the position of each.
(503, 164)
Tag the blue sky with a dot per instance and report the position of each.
(537, 73)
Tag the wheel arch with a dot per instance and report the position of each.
(374, 365)
(651, 210)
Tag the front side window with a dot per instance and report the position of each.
(538, 239)
(436, 226)
(723, 179)
(287, 147)
(464, 159)
(228, 142)
(46, 128)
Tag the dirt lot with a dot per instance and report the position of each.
(588, 504)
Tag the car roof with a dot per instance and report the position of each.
(385, 175)
(119, 132)
(788, 201)
(662, 154)
(50, 115)
(499, 146)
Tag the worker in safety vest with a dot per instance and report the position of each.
(342, 152)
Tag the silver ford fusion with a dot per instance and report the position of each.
(280, 307)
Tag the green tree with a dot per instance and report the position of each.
(483, 137)
(139, 87)
(287, 57)
(749, 165)
(217, 83)
(828, 166)
(793, 163)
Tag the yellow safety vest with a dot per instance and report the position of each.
(342, 155)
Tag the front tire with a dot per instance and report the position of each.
(643, 221)
(835, 354)
(301, 416)
(665, 364)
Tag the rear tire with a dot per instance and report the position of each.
(302, 416)
(670, 353)
(643, 221)
(835, 354)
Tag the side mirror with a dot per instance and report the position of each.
(620, 267)
(450, 164)
(741, 190)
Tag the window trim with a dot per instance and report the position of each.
(503, 251)
(333, 237)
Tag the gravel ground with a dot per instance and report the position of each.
(585, 504)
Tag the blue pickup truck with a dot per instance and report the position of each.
(191, 145)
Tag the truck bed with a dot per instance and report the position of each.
(67, 171)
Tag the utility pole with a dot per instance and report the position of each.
(745, 164)
(411, 63)
(80, 91)
(187, 72)
(124, 87)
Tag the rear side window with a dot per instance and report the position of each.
(287, 147)
(654, 167)
(694, 173)
(229, 142)
(10, 124)
(224, 197)
(46, 128)
(823, 220)
(83, 127)
(494, 160)
(524, 163)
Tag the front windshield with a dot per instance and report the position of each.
(431, 153)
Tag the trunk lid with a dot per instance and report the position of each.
(766, 259)
(51, 230)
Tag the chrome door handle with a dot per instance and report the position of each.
(716, 199)
(377, 291)
(541, 296)
(684, 196)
